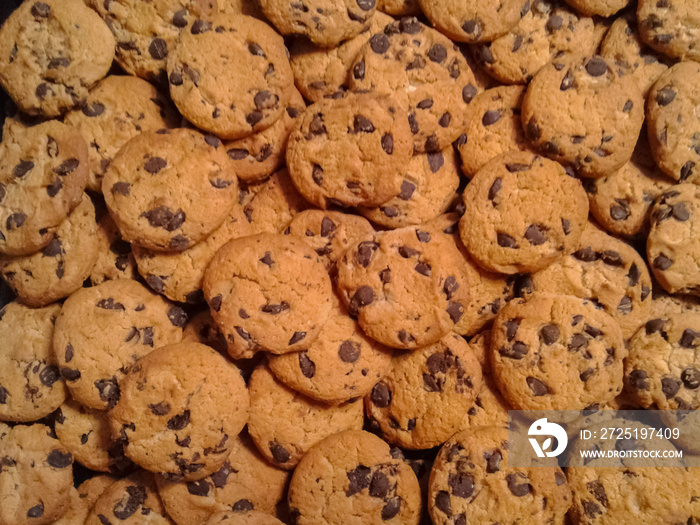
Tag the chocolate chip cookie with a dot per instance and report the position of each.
(671, 27)
(114, 257)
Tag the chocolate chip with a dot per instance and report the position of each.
(495, 188)
(385, 276)
(586, 374)
(638, 379)
(431, 384)
(220, 477)
(533, 131)
(662, 262)
(200, 26)
(379, 43)
(628, 106)
(491, 117)
(110, 304)
(381, 395)
(437, 53)
(69, 374)
(472, 27)
(687, 169)
(243, 505)
(359, 479)
(596, 488)
(365, 252)
(517, 351)
(461, 484)
(180, 18)
(58, 459)
(391, 509)
(358, 71)
(445, 119)
(109, 391)
(53, 249)
(93, 110)
(296, 337)
(379, 485)
(586, 254)
(506, 241)
(511, 327)
(40, 10)
(468, 93)
(362, 124)
(455, 311)
(175, 78)
(160, 409)
(596, 67)
(549, 334)
(42, 90)
(691, 378)
(158, 48)
(493, 461)
(442, 502)
(198, 488)
(518, 490)
(279, 453)
(179, 421)
(538, 387)
(349, 351)
(680, 212)
(536, 234)
(424, 237)
(566, 226)
(4, 393)
(665, 96)
(422, 268)
(307, 366)
(164, 217)
(177, 316)
(554, 23)
(67, 166)
(407, 189)
(670, 386)
(625, 306)
(21, 169)
(254, 117)
(654, 325)
(365, 5)
(689, 339)
(275, 309)
(37, 511)
(413, 123)
(49, 375)
(136, 498)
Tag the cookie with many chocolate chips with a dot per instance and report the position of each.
(354, 478)
(268, 292)
(474, 20)
(230, 75)
(116, 110)
(556, 352)
(43, 172)
(673, 245)
(548, 29)
(674, 135)
(102, 331)
(169, 189)
(35, 475)
(246, 481)
(30, 384)
(582, 112)
(403, 290)
(507, 227)
(285, 424)
(671, 27)
(422, 400)
(350, 151)
(425, 70)
(173, 414)
(61, 267)
(605, 271)
(471, 483)
(51, 53)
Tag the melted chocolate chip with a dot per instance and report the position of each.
(307, 366)
(538, 387)
(58, 459)
(179, 421)
(349, 351)
(549, 334)
(381, 395)
(279, 453)
(136, 498)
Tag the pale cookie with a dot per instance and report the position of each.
(252, 517)
(673, 127)
(173, 415)
(102, 331)
(168, 190)
(598, 7)
(341, 364)
(472, 484)
(582, 112)
(671, 27)
(60, 268)
(230, 75)
(245, 482)
(673, 245)
(116, 110)
(43, 172)
(350, 151)
(325, 22)
(423, 69)
(284, 424)
(421, 402)
(35, 477)
(402, 289)
(52, 52)
(353, 478)
(30, 384)
(556, 352)
(508, 228)
(268, 292)
(114, 257)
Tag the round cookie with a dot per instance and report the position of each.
(173, 415)
(471, 483)
(492, 128)
(675, 140)
(179, 275)
(239, 89)
(341, 364)
(673, 244)
(399, 7)
(36, 475)
(43, 172)
(114, 257)
(353, 478)
(548, 29)
(53, 51)
(129, 501)
(285, 424)
(147, 32)
(62, 266)
(85, 433)
(429, 186)
(623, 47)
(257, 156)
(401, 288)
(91, 489)
(320, 72)
(252, 517)
(115, 111)
(506, 228)
(245, 482)
(268, 292)
(422, 400)
(581, 112)
(556, 352)
(350, 151)
(621, 202)
(661, 368)
(671, 27)
(325, 22)
(474, 20)
(169, 189)
(598, 7)
(423, 69)
(605, 271)
(330, 233)
(30, 384)
(102, 331)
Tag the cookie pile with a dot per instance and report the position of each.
(294, 262)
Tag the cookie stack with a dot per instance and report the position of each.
(277, 262)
